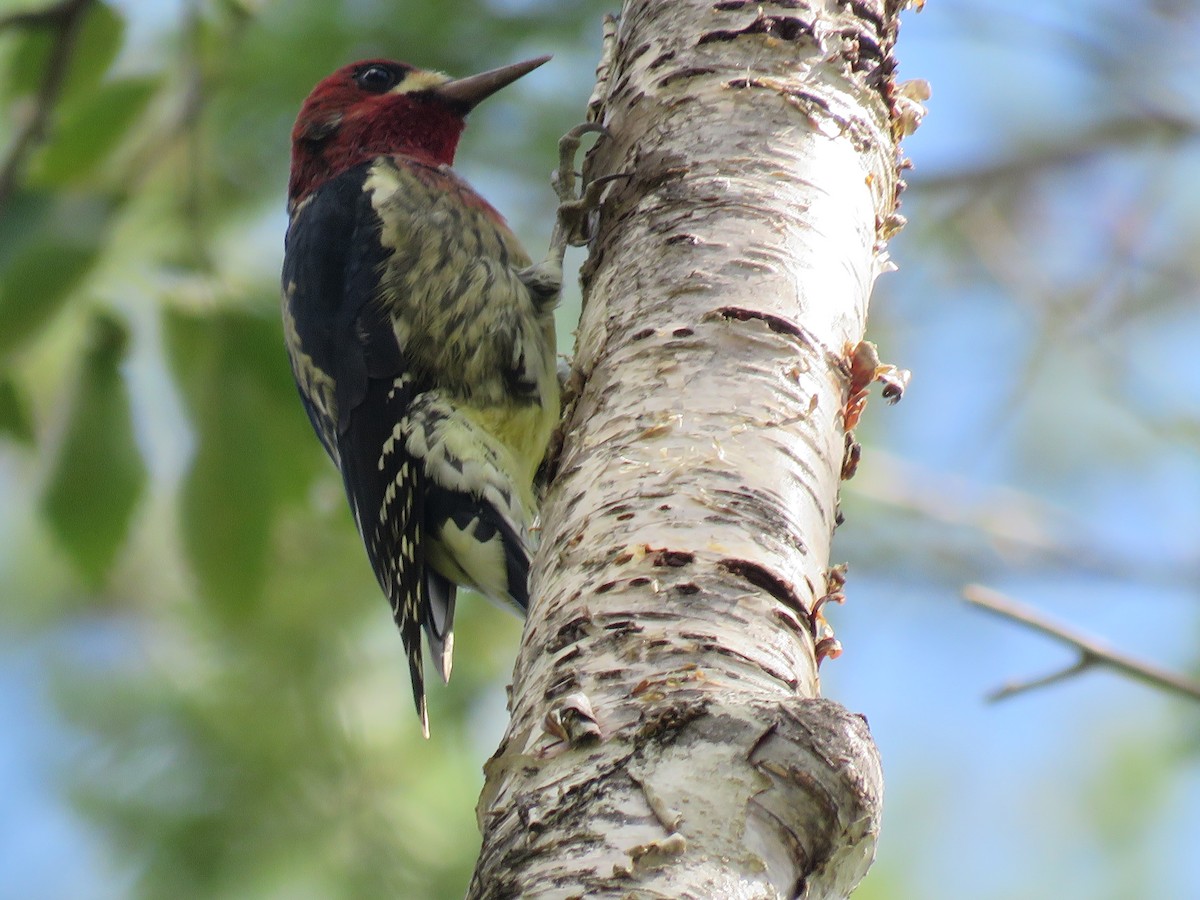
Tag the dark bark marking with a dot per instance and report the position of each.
(763, 578)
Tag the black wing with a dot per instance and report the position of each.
(332, 255)
(357, 391)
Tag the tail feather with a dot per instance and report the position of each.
(439, 621)
(418, 679)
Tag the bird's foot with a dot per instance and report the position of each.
(577, 202)
(575, 206)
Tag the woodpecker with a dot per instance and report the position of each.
(421, 339)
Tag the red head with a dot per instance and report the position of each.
(377, 107)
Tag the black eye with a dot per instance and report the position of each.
(376, 79)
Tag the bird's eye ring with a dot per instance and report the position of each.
(376, 79)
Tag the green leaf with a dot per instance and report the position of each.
(252, 344)
(98, 474)
(15, 420)
(36, 284)
(255, 447)
(23, 218)
(90, 130)
(96, 46)
(227, 505)
(74, 219)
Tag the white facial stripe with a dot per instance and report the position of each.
(419, 81)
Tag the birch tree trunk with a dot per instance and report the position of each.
(667, 737)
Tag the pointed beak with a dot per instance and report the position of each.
(469, 92)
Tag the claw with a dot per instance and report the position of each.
(590, 199)
(574, 209)
(563, 178)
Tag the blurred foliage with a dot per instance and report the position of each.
(96, 479)
(230, 669)
(255, 736)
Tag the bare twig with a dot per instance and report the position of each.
(1092, 653)
(65, 18)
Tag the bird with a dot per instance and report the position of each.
(422, 341)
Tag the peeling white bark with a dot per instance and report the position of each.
(667, 738)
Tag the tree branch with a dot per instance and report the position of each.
(1092, 653)
(65, 18)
